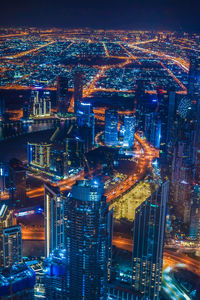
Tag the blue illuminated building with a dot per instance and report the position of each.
(12, 245)
(195, 214)
(56, 278)
(86, 124)
(129, 131)
(6, 186)
(88, 240)
(111, 128)
(153, 129)
(17, 282)
(148, 242)
(54, 205)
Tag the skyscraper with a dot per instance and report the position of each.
(153, 129)
(63, 97)
(56, 278)
(2, 108)
(111, 128)
(78, 89)
(17, 282)
(86, 123)
(18, 177)
(41, 105)
(12, 245)
(195, 214)
(62, 88)
(148, 242)
(54, 219)
(6, 220)
(38, 155)
(88, 240)
(129, 131)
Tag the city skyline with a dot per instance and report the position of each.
(99, 163)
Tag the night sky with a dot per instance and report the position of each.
(124, 14)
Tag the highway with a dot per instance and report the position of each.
(28, 51)
(145, 154)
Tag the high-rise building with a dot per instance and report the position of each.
(86, 124)
(181, 179)
(26, 112)
(193, 76)
(17, 282)
(38, 155)
(41, 105)
(63, 97)
(111, 128)
(2, 108)
(6, 187)
(6, 220)
(129, 131)
(56, 278)
(12, 245)
(54, 205)
(148, 242)
(62, 87)
(18, 177)
(171, 117)
(78, 89)
(88, 240)
(153, 129)
(195, 214)
(59, 163)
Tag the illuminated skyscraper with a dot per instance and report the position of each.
(129, 131)
(195, 214)
(26, 112)
(171, 117)
(88, 240)
(54, 219)
(6, 187)
(38, 155)
(111, 128)
(78, 89)
(63, 97)
(148, 242)
(182, 178)
(62, 87)
(153, 129)
(41, 105)
(17, 282)
(6, 220)
(18, 177)
(194, 76)
(56, 278)
(86, 123)
(2, 108)
(12, 245)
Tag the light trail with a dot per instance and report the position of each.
(28, 51)
(129, 53)
(105, 49)
(144, 162)
(179, 61)
(174, 77)
(67, 48)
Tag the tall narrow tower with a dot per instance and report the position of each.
(148, 241)
(88, 240)
(78, 89)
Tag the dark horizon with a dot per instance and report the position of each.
(131, 15)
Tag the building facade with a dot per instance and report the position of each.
(148, 242)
